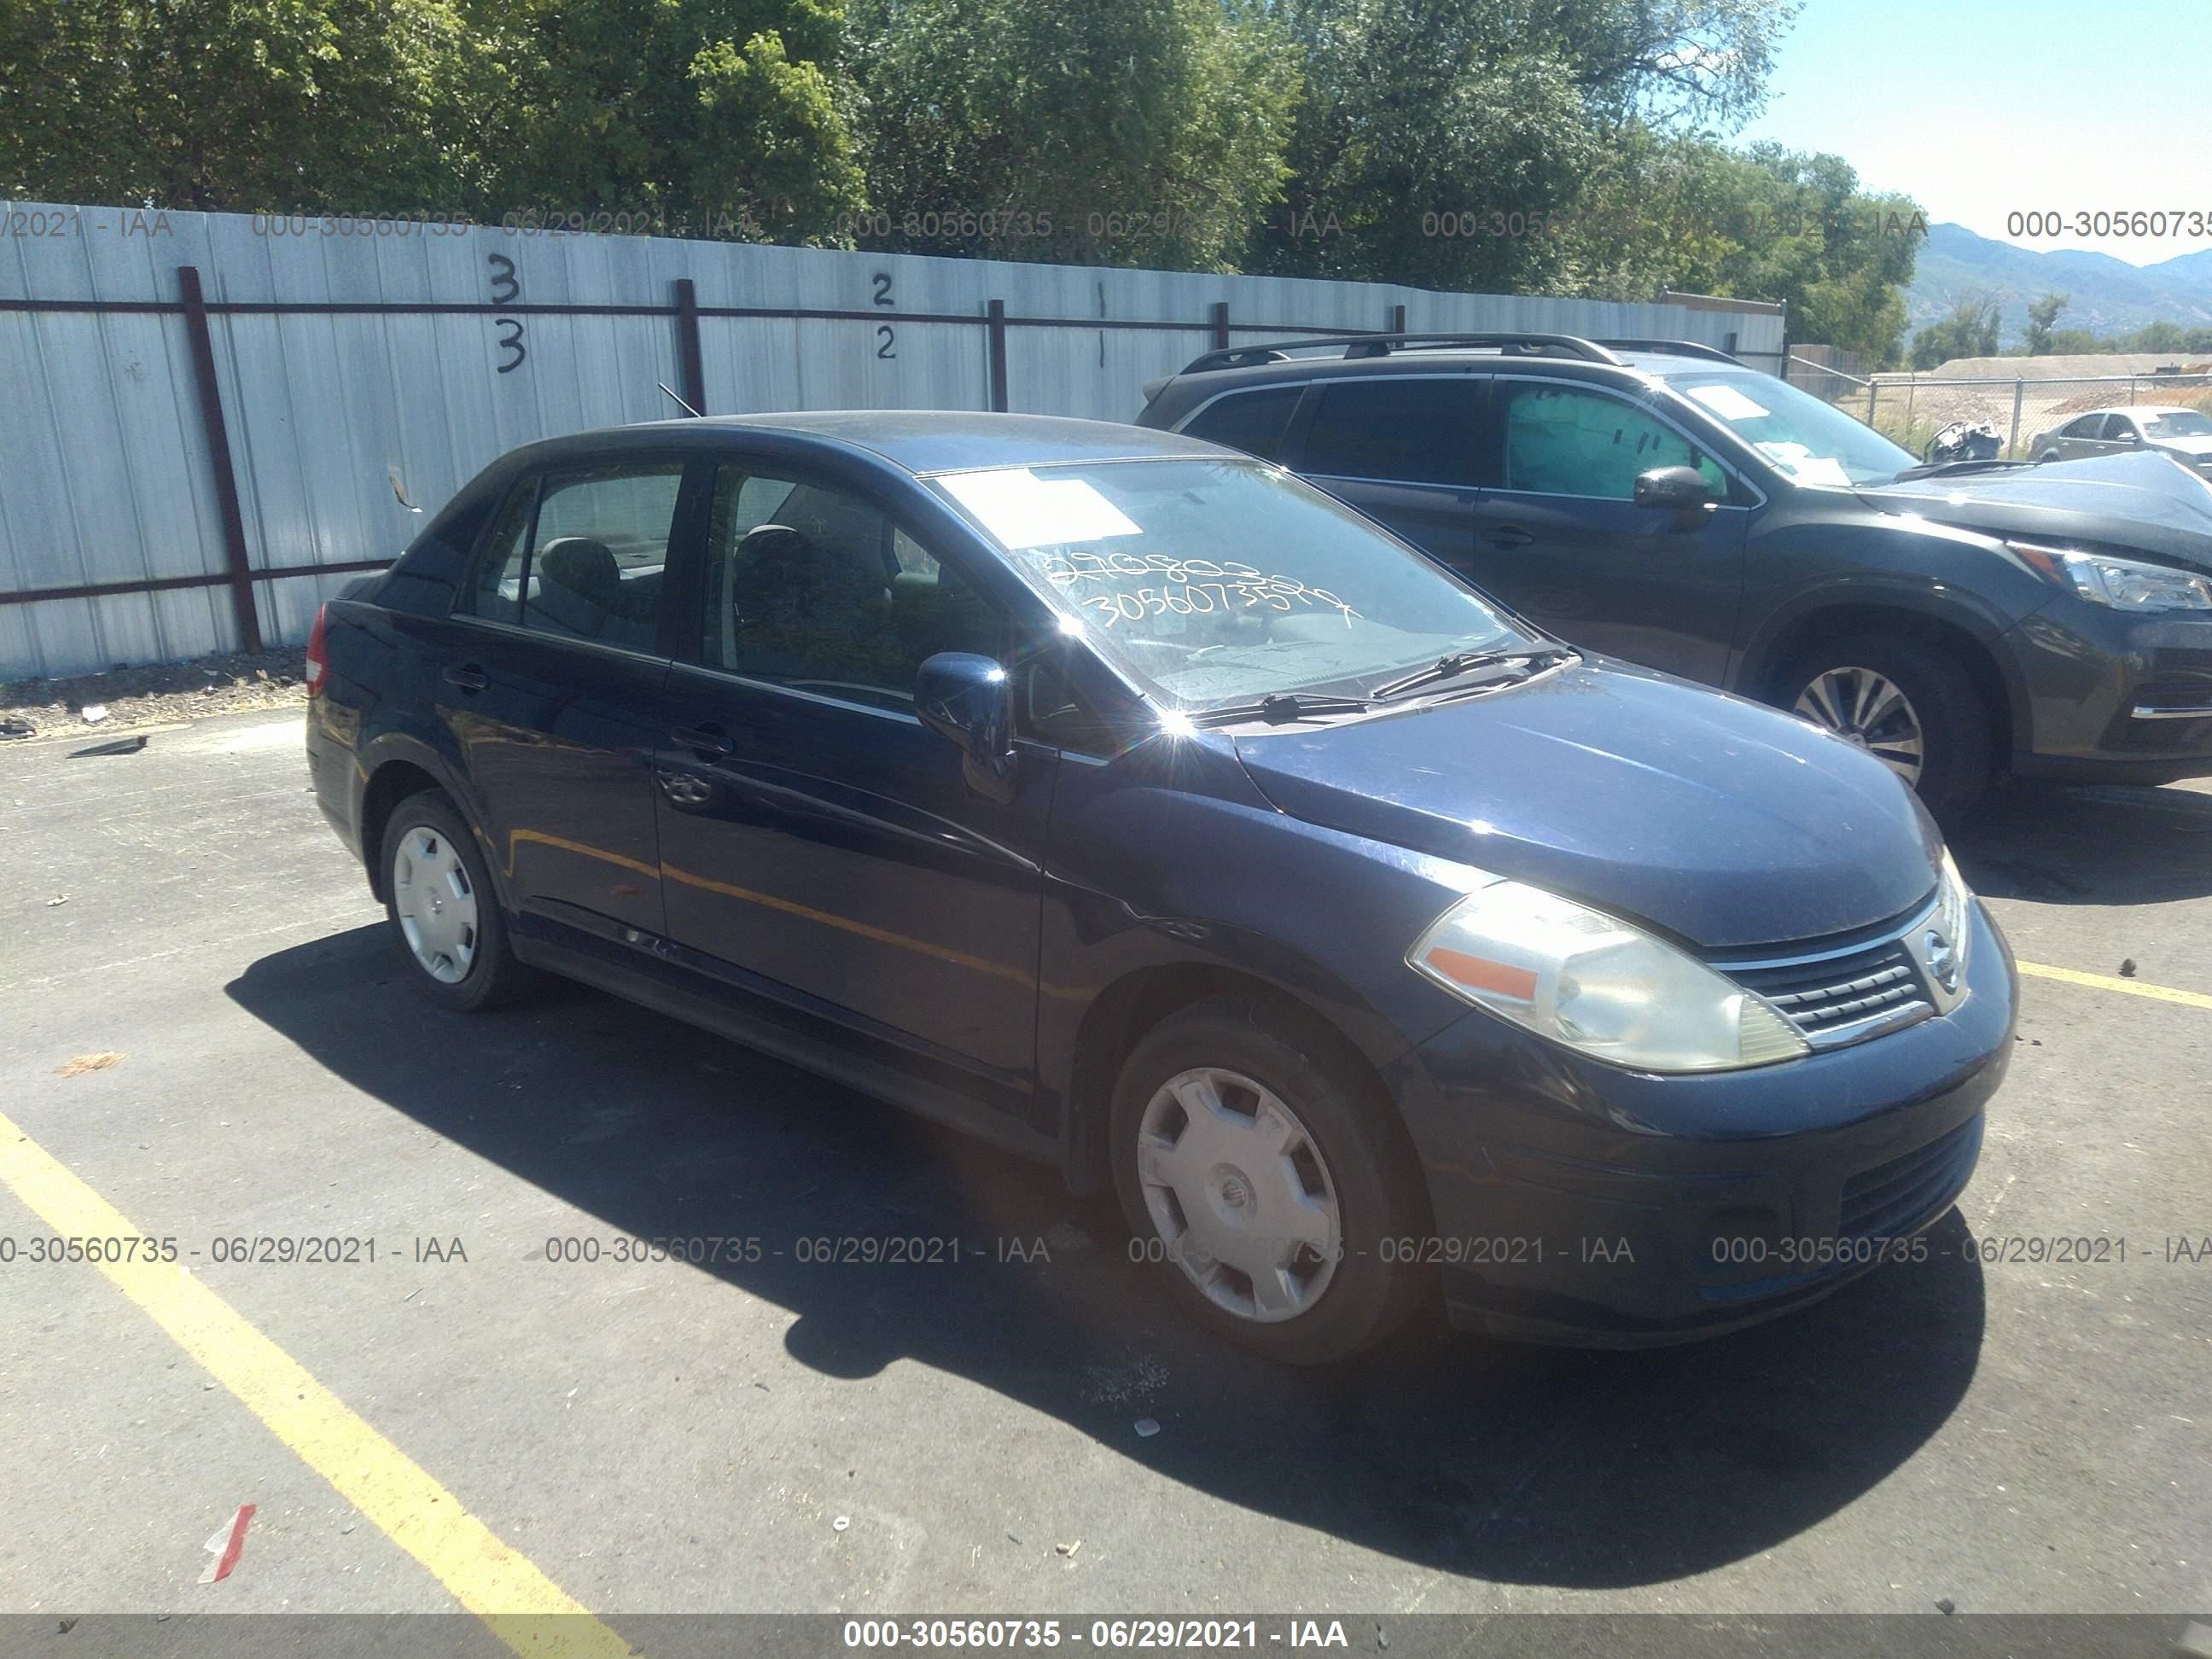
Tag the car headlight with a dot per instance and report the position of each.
(1598, 984)
(2124, 584)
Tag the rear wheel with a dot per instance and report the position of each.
(1266, 1175)
(1913, 709)
(444, 914)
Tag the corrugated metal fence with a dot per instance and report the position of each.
(209, 421)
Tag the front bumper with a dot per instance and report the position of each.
(1580, 1204)
(2115, 697)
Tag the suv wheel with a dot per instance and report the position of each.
(1263, 1174)
(444, 913)
(1912, 708)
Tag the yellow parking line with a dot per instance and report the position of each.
(526, 1610)
(2133, 987)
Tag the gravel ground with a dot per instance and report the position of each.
(155, 695)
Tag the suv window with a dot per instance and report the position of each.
(1249, 421)
(1405, 428)
(1568, 441)
(581, 554)
(812, 586)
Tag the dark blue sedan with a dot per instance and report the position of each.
(1130, 802)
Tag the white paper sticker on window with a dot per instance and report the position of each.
(1727, 403)
(1023, 510)
(1802, 465)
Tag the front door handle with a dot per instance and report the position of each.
(468, 677)
(1508, 535)
(706, 740)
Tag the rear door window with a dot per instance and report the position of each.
(581, 555)
(1253, 422)
(1405, 428)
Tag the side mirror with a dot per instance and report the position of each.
(1681, 488)
(968, 700)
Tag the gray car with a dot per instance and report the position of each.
(2183, 434)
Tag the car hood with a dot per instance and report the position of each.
(1721, 822)
(2137, 500)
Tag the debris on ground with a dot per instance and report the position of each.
(120, 746)
(2128, 968)
(58, 900)
(841, 1523)
(226, 1544)
(1068, 1550)
(92, 713)
(157, 694)
(1147, 1427)
(84, 1063)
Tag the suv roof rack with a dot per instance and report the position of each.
(1677, 347)
(1382, 345)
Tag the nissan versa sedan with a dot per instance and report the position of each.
(1128, 801)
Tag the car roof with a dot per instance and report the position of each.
(926, 441)
(1653, 362)
(2142, 409)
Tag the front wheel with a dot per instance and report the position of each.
(443, 912)
(1914, 710)
(1265, 1174)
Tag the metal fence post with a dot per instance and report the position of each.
(1221, 324)
(689, 362)
(239, 563)
(2019, 395)
(996, 328)
(1397, 319)
(1874, 390)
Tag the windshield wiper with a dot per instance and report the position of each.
(1944, 469)
(1278, 708)
(1466, 662)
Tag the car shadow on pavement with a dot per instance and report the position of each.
(2098, 845)
(1572, 1469)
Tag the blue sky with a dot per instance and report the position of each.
(1980, 108)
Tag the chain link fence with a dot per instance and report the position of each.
(1911, 408)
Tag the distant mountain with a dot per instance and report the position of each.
(2110, 295)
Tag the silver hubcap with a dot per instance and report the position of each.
(1237, 1190)
(1861, 706)
(435, 903)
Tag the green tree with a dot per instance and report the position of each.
(2041, 315)
(238, 103)
(1971, 331)
(1135, 132)
(688, 109)
(1445, 142)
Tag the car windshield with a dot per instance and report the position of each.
(2182, 423)
(1809, 442)
(1216, 582)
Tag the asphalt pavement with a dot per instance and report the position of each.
(205, 1029)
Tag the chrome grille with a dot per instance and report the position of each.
(1839, 998)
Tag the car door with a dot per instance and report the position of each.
(821, 849)
(2080, 437)
(1401, 449)
(1560, 539)
(551, 675)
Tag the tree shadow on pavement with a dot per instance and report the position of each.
(1586, 1470)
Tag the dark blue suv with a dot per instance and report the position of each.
(1131, 803)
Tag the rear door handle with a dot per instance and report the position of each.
(1508, 535)
(707, 740)
(468, 677)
